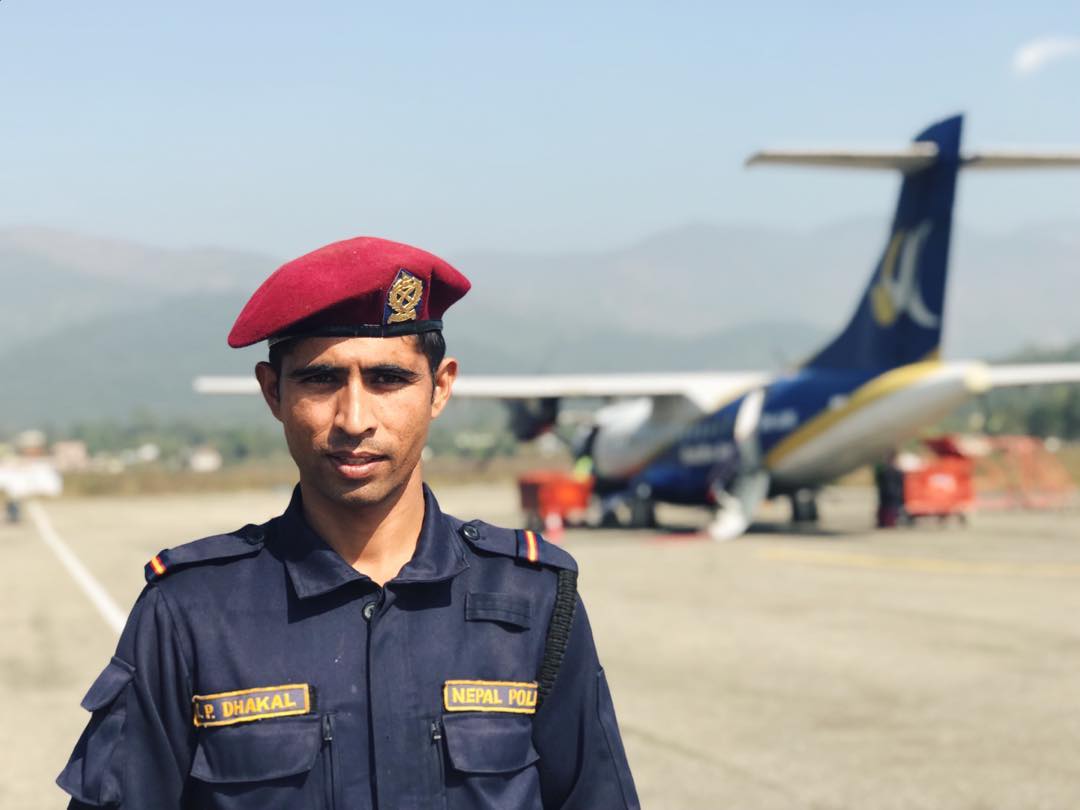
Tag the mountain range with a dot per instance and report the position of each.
(94, 328)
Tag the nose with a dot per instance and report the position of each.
(355, 413)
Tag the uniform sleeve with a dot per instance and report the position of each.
(582, 761)
(136, 750)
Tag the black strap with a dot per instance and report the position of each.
(360, 330)
(558, 636)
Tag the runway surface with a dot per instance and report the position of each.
(841, 668)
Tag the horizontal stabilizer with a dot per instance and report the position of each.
(1009, 159)
(913, 158)
(917, 157)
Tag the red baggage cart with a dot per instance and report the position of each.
(553, 493)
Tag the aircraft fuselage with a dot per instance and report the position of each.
(815, 425)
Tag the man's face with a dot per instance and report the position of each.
(356, 413)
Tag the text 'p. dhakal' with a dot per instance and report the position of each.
(245, 705)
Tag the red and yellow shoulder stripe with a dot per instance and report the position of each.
(529, 546)
(209, 549)
(157, 567)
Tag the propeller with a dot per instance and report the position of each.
(738, 499)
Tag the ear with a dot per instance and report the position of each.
(444, 382)
(269, 384)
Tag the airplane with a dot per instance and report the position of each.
(730, 440)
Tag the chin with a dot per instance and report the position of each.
(360, 493)
(334, 488)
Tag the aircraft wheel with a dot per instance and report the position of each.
(642, 514)
(804, 507)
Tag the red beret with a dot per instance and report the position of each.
(363, 287)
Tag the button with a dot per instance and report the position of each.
(252, 534)
(469, 531)
(369, 610)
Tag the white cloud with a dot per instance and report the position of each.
(1033, 56)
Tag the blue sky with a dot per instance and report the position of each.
(532, 127)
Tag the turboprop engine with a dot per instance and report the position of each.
(530, 418)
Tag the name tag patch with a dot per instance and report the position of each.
(244, 705)
(513, 697)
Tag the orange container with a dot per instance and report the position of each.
(552, 492)
(943, 487)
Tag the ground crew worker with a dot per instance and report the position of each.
(889, 482)
(364, 649)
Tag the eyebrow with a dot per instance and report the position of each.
(327, 368)
(315, 368)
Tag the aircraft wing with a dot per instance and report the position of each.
(706, 390)
(1033, 374)
(226, 385)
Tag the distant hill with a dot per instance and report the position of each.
(112, 366)
(1005, 289)
(94, 328)
(1043, 354)
(54, 280)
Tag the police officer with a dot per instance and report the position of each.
(364, 649)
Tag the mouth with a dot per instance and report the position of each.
(356, 465)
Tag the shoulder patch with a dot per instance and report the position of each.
(240, 543)
(527, 546)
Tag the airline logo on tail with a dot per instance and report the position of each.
(897, 288)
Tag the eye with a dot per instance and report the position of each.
(388, 378)
(320, 378)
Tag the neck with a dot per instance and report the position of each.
(376, 539)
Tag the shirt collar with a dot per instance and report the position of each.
(315, 568)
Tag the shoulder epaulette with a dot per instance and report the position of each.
(247, 540)
(526, 546)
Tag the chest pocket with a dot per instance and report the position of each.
(96, 776)
(506, 608)
(491, 761)
(264, 764)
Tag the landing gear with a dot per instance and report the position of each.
(632, 510)
(533, 521)
(642, 513)
(804, 506)
(642, 508)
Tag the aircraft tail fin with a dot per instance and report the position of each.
(899, 317)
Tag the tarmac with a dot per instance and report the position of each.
(932, 667)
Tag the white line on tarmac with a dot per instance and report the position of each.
(110, 612)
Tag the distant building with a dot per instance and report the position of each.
(31, 443)
(70, 456)
(204, 460)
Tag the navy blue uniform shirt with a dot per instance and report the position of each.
(259, 670)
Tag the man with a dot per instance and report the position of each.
(362, 650)
(889, 481)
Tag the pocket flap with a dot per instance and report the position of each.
(478, 744)
(110, 683)
(256, 751)
(498, 607)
